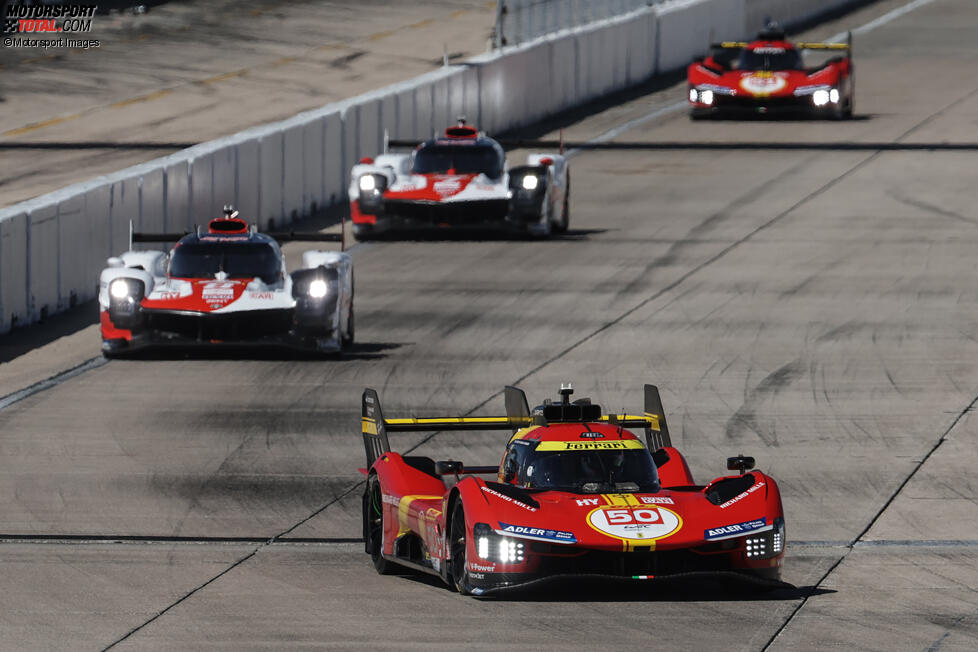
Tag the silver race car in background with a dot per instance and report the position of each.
(227, 284)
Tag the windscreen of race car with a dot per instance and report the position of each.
(583, 471)
(455, 159)
(769, 59)
(236, 259)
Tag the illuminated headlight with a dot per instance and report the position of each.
(368, 183)
(483, 547)
(318, 288)
(706, 97)
(119, 289)
(530, 182)
(693, 95)
(821, 97)
(510, 551)
(834, 96)
(766, 544)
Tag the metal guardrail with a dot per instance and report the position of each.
(518, 21)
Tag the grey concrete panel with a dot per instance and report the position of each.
(270, 179)
(293, 174)
(13, 280)
(82, 219)
(177, 203)
(43, 261)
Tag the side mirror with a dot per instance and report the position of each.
(448, 467)
(115, 261)
(740, 463)
(366, 160)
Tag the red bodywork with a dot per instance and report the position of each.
(716, 84)
(681, 529)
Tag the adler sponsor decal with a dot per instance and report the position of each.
(541, 534)
(735, 529)
(261, 295)
(741, 496)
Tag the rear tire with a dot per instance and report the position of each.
(373, 521)
(458, 548)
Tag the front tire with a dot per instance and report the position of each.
(373, 525)
(458, 548)
(564, 223)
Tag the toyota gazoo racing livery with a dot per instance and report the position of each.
(576, 494)
(768, 76)
(228, 284)
(459, 179)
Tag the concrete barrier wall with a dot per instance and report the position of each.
(52, 247)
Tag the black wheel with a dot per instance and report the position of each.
(561, 226)
(363, 232)
(347, 340)
(373, 521)
(458, 548)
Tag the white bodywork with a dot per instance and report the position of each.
(225, 296)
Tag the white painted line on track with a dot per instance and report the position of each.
(631, 124)
(882, 20)
(679, 106)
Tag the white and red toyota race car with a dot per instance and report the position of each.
(459, 179)
(226, 285)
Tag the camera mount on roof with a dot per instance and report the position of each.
(772, 31)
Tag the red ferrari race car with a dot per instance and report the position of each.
(768, 76)
(459, 179)
(226, 285)
(576, 494)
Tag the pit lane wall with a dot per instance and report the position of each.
(52, 247)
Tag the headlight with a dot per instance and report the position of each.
(834, 95)
(510, 550)
(318, 288)
(706, 97)
(766, 544)
(693, 94)
(530, 182)
(119, 289)
(368, 183)
(820, 97)
(493, 547)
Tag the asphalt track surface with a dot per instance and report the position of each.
(186, 72)
(815, 309)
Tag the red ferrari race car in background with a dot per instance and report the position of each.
(576, 494)
(768, 75)
(459, 179)
(226, 285)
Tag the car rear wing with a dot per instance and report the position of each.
(374, 426)
(740, 45)
(279, 236)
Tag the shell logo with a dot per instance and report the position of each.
(645, 523)
(762, 84)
